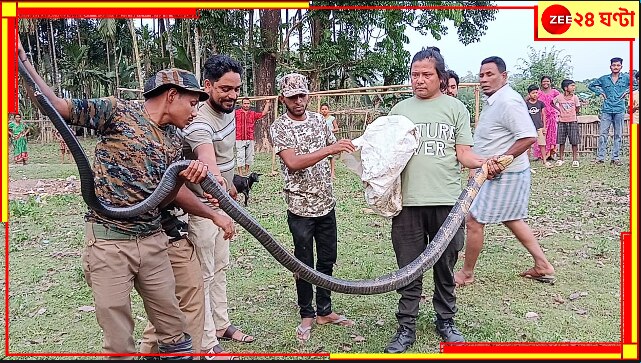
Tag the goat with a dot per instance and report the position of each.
(244, 184)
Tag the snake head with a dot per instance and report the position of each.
(503, 160)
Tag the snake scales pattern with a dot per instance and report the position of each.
(386, 283)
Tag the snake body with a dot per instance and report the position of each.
(386, 283)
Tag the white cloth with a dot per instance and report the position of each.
(382, 152)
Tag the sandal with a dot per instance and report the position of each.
(303, 333)
(537, 276)
(215, 353)
(229, 335)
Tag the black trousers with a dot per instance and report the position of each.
(412, 230)
(304, 231)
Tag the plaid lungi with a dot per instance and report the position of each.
(504, 198)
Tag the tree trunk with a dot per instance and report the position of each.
(117, 68)
(251, 47)
(78, 31)
(107, 54)
(245, 65)
(161, 36)
(300, 36)
(318, 23)
(170, 47)
(31, 49)
(134, 41)
(266, 77)
(197, 50)
(40, 61)
(56, 81)
(287, 29)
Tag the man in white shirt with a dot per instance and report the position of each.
(504, 199)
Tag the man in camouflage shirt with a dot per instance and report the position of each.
(303, 141)
(137, 143)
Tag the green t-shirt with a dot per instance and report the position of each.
(433, 174)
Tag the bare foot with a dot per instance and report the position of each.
(335, 319)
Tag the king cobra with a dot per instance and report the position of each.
(386, 283)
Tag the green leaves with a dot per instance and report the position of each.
(552, 63)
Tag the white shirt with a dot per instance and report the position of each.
(503, 121)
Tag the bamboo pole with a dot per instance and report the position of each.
(337, 92)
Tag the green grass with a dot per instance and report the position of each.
(578, 215)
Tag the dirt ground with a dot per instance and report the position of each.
(23, 188)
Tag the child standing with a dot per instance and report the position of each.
(64, 149)
(333, 125)
(569, 106)
(535, 108)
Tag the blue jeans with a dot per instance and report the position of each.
(607, 119)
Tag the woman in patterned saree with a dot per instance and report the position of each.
(18, 132)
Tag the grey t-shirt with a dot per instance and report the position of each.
(218, 129)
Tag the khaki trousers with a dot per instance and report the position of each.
(113, 264)
(213, 252)
(189, 292)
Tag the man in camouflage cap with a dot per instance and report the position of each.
(138, 143)
(173, 77)
(303, 142)
(293, 84)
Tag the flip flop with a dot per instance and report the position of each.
(534, 275)
(229, 335)
(341, 320)
(214, 354)
(303, 333)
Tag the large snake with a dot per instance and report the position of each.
(382, 284)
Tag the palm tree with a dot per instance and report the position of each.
(136, 53)
(107, 29)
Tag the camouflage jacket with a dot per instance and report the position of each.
(131, 157)
(308, 192)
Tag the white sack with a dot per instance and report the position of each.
(382, 152)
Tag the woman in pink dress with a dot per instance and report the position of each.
(546, 95)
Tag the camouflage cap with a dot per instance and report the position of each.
(174, 77)
(293, 84)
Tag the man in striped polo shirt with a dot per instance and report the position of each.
(210, 137)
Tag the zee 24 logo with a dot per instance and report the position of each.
(557, 19)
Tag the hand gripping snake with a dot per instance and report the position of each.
(386, 283)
